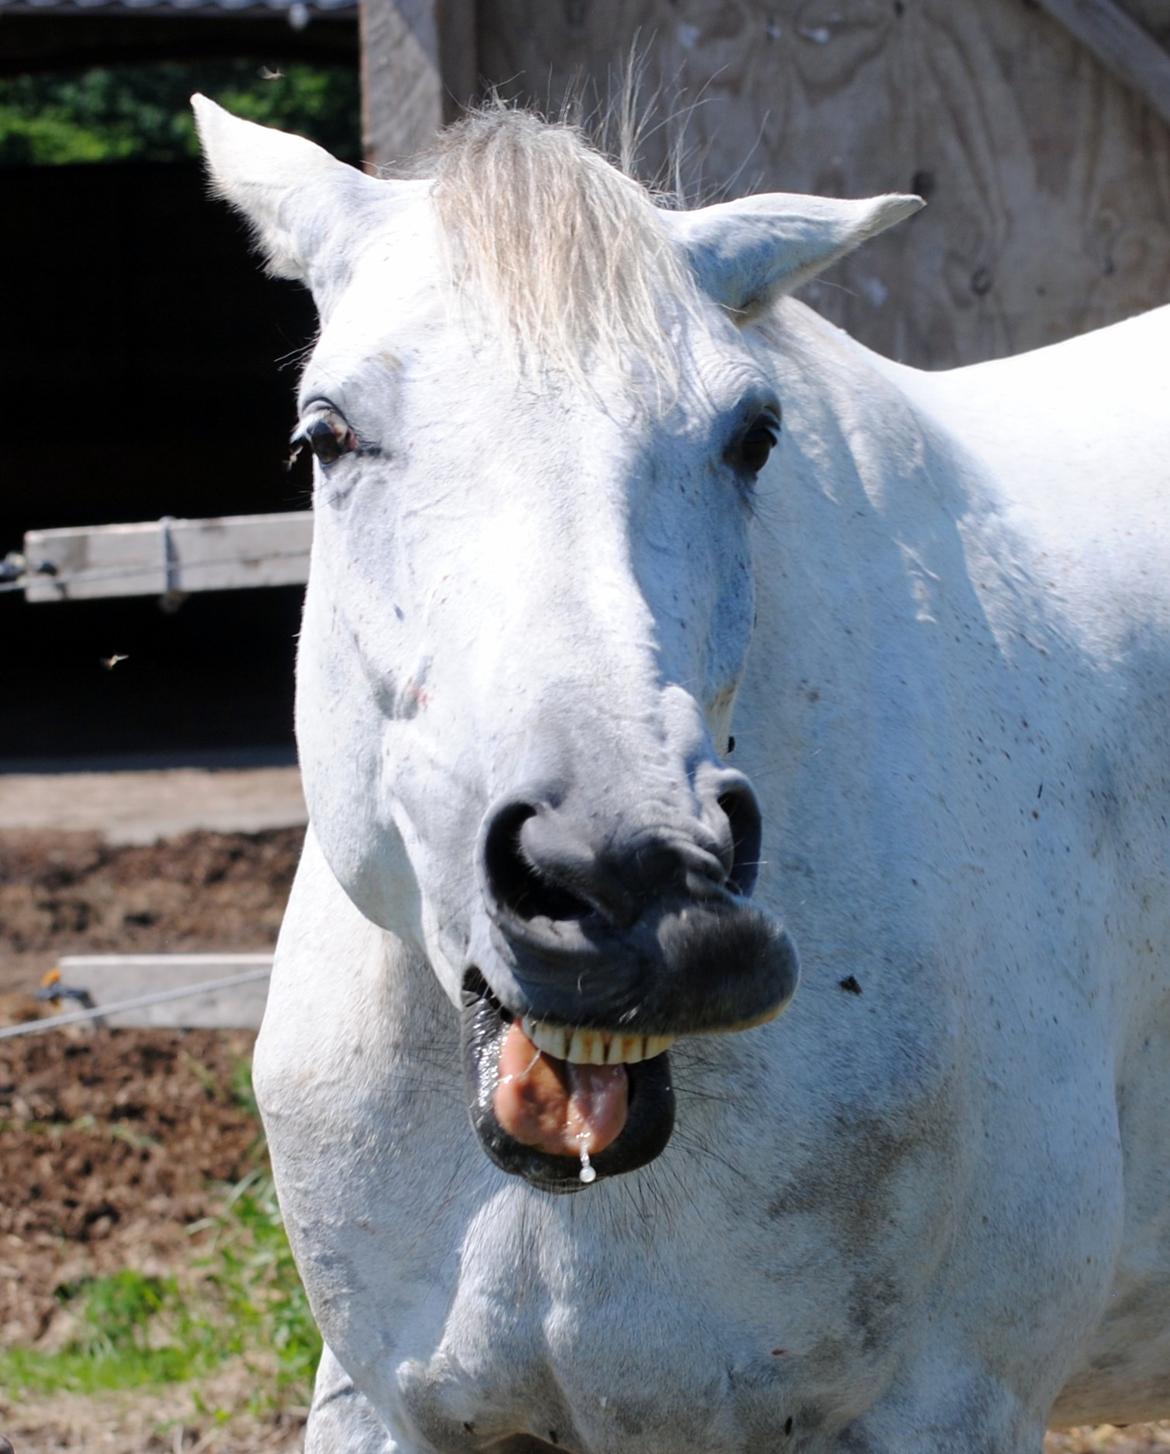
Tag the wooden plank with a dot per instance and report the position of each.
(1048, 184)
(112, 978)
(1154, 18)
(159, 558)
(418, 69)
(1121, 45)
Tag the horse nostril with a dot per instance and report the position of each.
(738, 805)
(515, 879)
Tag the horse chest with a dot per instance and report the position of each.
(760, 1278)
(574, 1330)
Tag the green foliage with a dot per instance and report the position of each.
(243, 1299)
(132, 1330)
(253, 1270)
(142, 113)
(240, 1088)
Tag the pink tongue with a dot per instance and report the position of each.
(556, 1106)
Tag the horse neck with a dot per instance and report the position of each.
(338, 970)
(875, 508)
(875, 560)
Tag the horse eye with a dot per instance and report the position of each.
(753, 447)
(327, 434)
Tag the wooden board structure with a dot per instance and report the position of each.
(1034, 128)
(112, 979)
(168, 557)
(1122, 46)
(418, 69)
(1047, 178)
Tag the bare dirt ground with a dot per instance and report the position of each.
(113, 1143)
(141, 807)
(64, 893)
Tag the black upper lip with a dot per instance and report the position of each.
(687, 967)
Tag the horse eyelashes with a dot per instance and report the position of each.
(328, 435)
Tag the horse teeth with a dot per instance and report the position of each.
(550, 1038)
(593, 1047)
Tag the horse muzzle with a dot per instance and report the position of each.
(590, 961)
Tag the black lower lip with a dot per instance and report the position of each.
(644, 1136)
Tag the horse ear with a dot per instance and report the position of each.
(748, 252)
(293, 193)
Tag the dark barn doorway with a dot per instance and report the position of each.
(148, 368)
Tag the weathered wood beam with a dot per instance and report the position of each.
(418, 69)
(168, 557)
(236, 988)
(1121, 45)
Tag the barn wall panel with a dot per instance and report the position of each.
(418, 68)
(1048, 181)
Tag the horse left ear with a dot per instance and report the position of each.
(298, 199)
(746, 253)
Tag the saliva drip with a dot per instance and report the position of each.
(587, 1173)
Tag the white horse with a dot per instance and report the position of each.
(588, 487)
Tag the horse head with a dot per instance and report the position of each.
(539, 429)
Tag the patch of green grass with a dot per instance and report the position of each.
(252, 1268)
(132, 1330)
(240, 1087)
(242, 1299)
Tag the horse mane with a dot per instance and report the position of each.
(563, 251)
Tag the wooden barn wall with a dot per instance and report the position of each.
(1048, 179)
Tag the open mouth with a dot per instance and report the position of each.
(563, 1106)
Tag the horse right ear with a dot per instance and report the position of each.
(746, 253)
(297, 198)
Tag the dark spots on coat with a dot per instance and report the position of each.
(981, 282)
(552, 1437)
(874, 1301)
(779, 1352)
(730, 745)
(1108, 1362)
(850, 984)
(468, 1427)
(810, 1417)
(923, 183)
(788, 1425)
(858, 1169)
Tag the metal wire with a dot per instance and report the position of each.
(159, 997)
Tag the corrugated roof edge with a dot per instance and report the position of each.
(331, 9)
